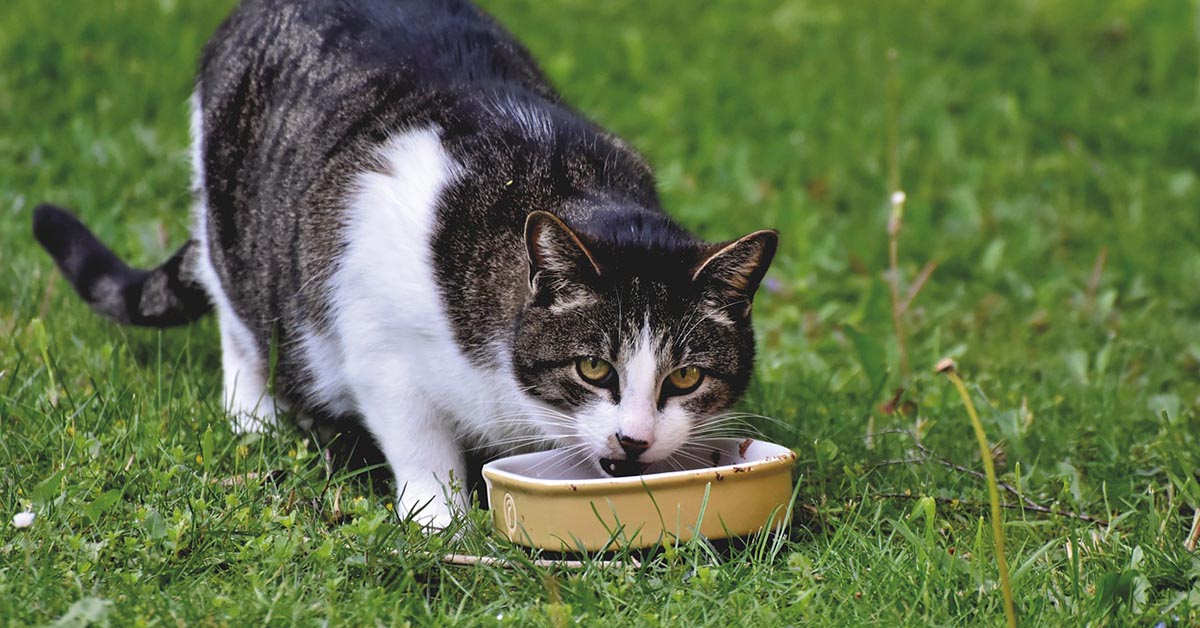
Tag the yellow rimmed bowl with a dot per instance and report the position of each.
(551, 501)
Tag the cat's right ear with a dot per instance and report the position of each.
(560, 264)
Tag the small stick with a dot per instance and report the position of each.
(1194, 535)
(1004, 485)
(471, 560)
(1026, 502)
(892, 463)
(1005, 505)
(917, 284)
(1097, 272)
(928, 455)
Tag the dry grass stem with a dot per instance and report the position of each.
(917, 284)
(1025, 502)
(955, 501)
(1194, 535)
(1097, 274)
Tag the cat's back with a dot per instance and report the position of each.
(284, 86)
(421, 44)
(294, 98)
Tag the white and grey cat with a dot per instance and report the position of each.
(446, 254)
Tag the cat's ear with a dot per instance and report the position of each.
(728, 277)
(560, 264)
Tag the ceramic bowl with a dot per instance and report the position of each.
(551, 501)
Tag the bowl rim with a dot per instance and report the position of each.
(774, 463)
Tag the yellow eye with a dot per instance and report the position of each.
(594, 370)
(685, 379)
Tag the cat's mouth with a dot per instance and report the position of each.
(623, 468)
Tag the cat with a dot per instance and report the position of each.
(400, 223)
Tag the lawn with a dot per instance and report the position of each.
(1050, 155)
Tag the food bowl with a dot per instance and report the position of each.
(732, 487)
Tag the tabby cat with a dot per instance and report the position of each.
(392, 199)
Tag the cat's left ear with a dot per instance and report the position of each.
(729, 277)
(560, 264)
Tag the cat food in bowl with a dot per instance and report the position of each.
(732, 487)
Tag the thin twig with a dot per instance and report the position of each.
(954, 501)
(1097, 273)
(930, 455)
(1012, 490)
(892, 463)
(1194, 535)
(917, 284)
(1026, 503)
(471, 560)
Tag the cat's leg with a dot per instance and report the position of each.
(418, 443)
(249, 404)
(244, 394)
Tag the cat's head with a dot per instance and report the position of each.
(637, 338)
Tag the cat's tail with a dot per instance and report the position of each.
(163, 297)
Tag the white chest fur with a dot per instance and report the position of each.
(391, 355)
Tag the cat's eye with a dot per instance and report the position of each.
(685, 380)
(595, 371)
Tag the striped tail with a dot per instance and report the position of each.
(164, 297)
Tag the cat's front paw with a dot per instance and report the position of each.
(431, 508)
(434, 522)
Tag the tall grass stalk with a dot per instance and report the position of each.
(946, 367)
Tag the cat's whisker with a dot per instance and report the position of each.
(536, 410)
(537, 407)
(557, 455)
(725, 419)
(552, 457)
(681, 456)
(672, 463)
(526, 417)
(704, 316)
(512, 443)
(687, 326)
(715, 437)
(735, 430)
(750, 415)
(536, 423)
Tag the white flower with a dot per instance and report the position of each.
(898, 197)
(24, 519)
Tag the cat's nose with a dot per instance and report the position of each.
(632, 446)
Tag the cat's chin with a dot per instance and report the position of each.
(622, 468)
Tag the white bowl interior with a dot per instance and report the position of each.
(558, 464)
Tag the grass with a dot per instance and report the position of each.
(1033, 140)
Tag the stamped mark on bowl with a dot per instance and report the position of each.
(510, 515)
